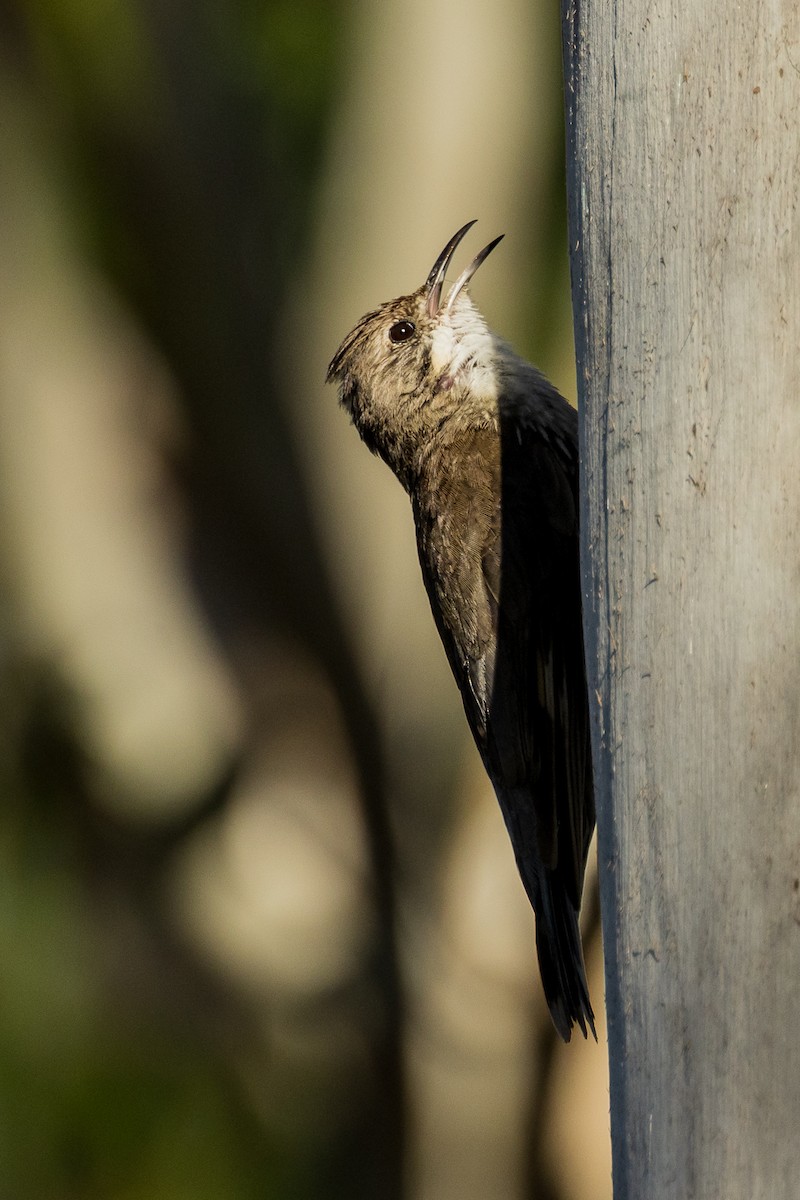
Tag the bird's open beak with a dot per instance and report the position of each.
(439, 269)
(435, 280)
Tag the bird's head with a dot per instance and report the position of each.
(416, 361)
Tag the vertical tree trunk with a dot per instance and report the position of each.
(684, 171)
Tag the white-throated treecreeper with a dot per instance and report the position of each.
(487, 451)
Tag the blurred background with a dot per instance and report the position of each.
(262, 934)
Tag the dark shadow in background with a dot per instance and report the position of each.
(197, 211)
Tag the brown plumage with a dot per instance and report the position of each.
(488, 452)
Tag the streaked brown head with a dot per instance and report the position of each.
(404, 364)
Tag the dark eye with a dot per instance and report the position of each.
(401, 331)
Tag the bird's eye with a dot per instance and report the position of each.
(401, 331)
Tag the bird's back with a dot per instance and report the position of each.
(497, 534)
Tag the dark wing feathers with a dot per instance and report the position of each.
(505, 592)
(540, 668)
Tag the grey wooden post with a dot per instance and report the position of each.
(684, 178)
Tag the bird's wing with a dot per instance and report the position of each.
(504, 583)
(540, 642)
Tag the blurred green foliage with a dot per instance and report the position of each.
(102, 1094)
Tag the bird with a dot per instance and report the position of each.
(487, 450)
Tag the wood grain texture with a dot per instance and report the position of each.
(684, 171)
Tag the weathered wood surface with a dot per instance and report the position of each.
(684, 173)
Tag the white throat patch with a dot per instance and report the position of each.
(462, 352)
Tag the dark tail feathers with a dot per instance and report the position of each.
(558, 945)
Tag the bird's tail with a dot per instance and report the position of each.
(558, 945)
